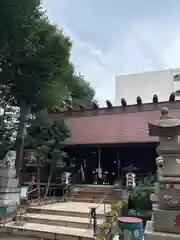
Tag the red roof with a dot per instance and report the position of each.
(115, 125)
(114, 128)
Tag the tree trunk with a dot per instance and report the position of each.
(49, 181)
(24, 117)
(38, 178)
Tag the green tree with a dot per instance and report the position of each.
(17, 21)
(82, 93)
(45, 137)
(34, 73)
(76, 91)
(35, 67)
(17, 18)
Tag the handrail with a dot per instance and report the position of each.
(33, 190)
(66, 190)
(93, 213)
(52, 191)
(102, 200)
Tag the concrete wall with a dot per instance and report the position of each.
(146, 85)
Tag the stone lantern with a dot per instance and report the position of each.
(166, 216)
(9, 187)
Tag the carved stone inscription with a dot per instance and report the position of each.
(170, 197)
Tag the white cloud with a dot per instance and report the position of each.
(141, 46)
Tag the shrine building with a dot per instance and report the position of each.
(109, 139)
(106, 140)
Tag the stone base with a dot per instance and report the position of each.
(171, 180)
(165, 221)
(150, 234)
(7, 172)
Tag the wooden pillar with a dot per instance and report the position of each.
(118, 166)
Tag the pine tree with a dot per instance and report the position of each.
(45, 137)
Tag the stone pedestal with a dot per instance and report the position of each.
(9, 187)
(165, 224)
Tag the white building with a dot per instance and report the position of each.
(146, 84)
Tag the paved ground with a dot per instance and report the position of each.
(75, 207)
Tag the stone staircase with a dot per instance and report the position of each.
(65, 221)
(93, 194)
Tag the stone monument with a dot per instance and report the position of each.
(9, 187)
(165, 224)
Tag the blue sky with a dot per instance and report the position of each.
(120, 36)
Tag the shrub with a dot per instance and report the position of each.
(116, 208)
(141, 197)
(105, 226)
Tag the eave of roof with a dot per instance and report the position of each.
(116, 125)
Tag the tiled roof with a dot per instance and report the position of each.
(114, 128)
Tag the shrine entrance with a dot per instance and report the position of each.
(109, 164)
(90, 165)
(99, 166)
(104, 165)
(141, 157)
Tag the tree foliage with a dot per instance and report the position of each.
(82, 93)
(16, 17)
(45, 131)
(36, 72)
(45, 137)
(141, 197)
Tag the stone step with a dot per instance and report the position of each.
(65, 221)
(62, 212)
(89, 194)
(101, 195)
(91, 200)
(99, 198)
(94, 186)
(82, 199)
(45, 231)
(92, 192)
